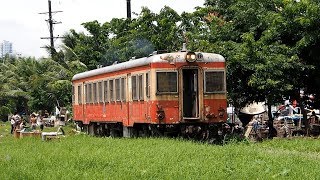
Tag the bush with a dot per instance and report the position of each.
(4, 112)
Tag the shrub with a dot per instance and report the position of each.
(4, 112)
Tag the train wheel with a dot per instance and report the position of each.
(144, 131)
(105, 130)
(128, 132)
(154, 131)
(116, 130)
(91, 128)
(85, 128)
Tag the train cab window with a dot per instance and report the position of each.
(111, 90)
(140, 89)
(94, 93)
(123, 89)
(167, 82)
(117, 89)
(147, 85)
(100, 92)
(79, 94)
(105, 85)
(214, 82)
(134, 88)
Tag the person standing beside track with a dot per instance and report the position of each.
(15, 120)
(13, 124)
(33, 121)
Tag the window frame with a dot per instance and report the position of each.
(136, 97)
(73, 95)
(147, 84)
(90, 97)
(100, 91)
(223, 80)
(106, 91)
(79, 95)
(177, 82)
(94, 93)
(117, 89)
(140, 87)
(86, 93)
(111, 91)
(123, 88)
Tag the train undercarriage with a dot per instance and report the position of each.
(218, 133)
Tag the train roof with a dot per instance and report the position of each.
(158, 58)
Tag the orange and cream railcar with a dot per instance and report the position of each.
(171, 93)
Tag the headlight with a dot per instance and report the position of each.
(191, 57)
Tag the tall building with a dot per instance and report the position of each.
(5, 48)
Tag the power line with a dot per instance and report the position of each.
(51, 22)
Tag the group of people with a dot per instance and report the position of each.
(17, 122)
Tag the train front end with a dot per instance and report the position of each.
(190, 90)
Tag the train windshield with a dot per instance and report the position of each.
(167, 82)
(214, 82)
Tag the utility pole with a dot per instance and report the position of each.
(51, 23)
(129, 9)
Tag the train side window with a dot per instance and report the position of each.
(94, 93)
(117, 89)
(147, 85)
(214, 82)
(90, 93)
(106, 91)
(86, 93)
(134, 87)
(140, 89)
(123, 89)
(100, 92)
(111, 95)
(167, 82)
(79, 94)
(73, 94)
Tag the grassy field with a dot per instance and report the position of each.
(85, 157)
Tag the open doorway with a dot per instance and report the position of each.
(190, 93)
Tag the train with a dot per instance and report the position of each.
(174, 94)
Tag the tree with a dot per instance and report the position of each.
(28, 84)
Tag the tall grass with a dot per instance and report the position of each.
(86, 157)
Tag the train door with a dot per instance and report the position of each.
(190, 90)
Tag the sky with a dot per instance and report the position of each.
(21, 23)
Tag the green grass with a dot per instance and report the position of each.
(86, 157)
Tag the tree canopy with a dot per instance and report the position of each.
(30, 85)
(271, 49)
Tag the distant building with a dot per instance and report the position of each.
(5, 48)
